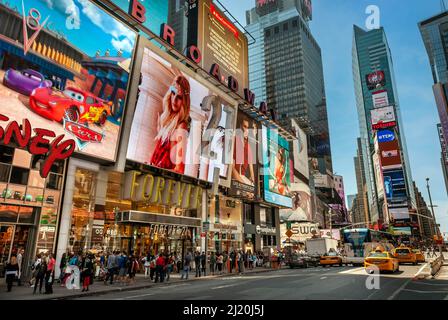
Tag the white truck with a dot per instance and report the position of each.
(321, 246)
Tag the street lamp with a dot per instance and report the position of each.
(432, 207)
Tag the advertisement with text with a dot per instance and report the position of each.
(383, 118)
(179, 124)
(301, 204)
(68, 73)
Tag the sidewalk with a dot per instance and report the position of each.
(425, 272)
(443, 273)
(98, 288)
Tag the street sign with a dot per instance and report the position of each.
(289, 233)
(206, 226)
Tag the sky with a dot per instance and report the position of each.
(332, 26)
(74, 17)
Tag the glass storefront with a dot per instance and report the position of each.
(29, 204)
(102, 227)
(226, 231)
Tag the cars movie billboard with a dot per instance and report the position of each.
(383, 118)
(179, 124)
(276, 170)
(65, 65)
(375, 80)
(245, 164)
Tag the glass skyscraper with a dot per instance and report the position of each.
(435, 36)
(286, 72)
(371, 53)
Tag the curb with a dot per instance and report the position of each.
(151, 285)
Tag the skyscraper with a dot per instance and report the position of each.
(286, 72)
(435, 36)
(383, 145)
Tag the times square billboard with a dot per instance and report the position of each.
(72, 85)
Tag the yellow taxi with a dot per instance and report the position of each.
(419, 255)
(330, 259)
(405, 255)
(382, 260)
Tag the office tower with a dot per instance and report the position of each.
(434, 32)
(361, 215)
(286, 72)
(383, 145)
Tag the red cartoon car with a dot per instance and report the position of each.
(72, 104)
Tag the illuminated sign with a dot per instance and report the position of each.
(39, 144)
(383, 118)
(380, 99)
(376, 79)
(385, 136)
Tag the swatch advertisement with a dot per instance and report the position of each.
(61, 79)
(179, 124)
(276, 171)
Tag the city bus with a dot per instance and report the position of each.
(358, 243)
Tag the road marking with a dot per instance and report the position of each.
(322, 278)
(138, 296)
(399, 290)
(226, 286)
(421, 269)
(352, 270)
(420, 291)
(174, 286)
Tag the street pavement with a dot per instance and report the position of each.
(332, 283)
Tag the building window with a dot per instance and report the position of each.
(295, 23)
(249, 214)
(19, 175)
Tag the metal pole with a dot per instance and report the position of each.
(432, 207)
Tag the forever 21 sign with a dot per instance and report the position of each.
(37, 144)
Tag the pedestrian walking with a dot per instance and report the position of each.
(40, 271)
(212, 263)
(37, 261)
(219, 263)
(203, 262)
(197, 263)
(232, 257)
(122, 267)
(134, 267)
(11, 272)
(87, 271)
(225, 259)
(152, 267)
(240, 261)
(169, 266)
(62, 266)
(186, 268)
(49, 274)
(146, 264)
(160, 265)
(111, 267)
(20, 254)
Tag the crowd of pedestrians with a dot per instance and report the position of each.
(79, 270)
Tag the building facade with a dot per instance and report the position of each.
(434, 32)
(286, 72)
(383, 144)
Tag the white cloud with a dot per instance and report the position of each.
(123, 38)
(67, 7)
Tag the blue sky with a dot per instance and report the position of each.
(332, 27)
(89, 29)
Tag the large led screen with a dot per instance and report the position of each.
(67, 70)
(276, 173)
(179, 124)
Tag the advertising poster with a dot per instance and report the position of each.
(402, 231)
(375, 80)
(395, 186)
(378, 175)
(399, 213)
(301, 204)
(383, 118)
(300, 150)
(220, 42)
(390, 155)
(68, 73)
(380, 99)
(245, 164)
(327, 233)
(277, 182)
(179, 124)
(385, 136)
(300, 232)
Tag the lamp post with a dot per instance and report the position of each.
(432, 207)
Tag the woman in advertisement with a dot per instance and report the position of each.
(281, 185)
(173, 127)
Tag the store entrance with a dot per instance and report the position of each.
(12, 237)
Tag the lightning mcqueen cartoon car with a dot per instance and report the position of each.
(73, 104)
(25, 81)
